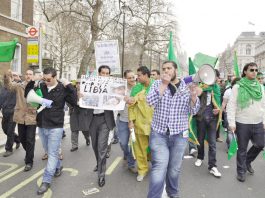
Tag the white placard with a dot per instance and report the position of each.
(100, 92)
(107, 53)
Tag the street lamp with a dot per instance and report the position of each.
(124, 8)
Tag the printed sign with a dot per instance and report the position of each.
(107, 53)
(33, 51)
(100, 92)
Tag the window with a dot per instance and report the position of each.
(16, 62)
(16, 9)
(248, 49)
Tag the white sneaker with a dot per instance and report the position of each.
(215, 172)
(198, 162)
(140, 178)
(193, 152)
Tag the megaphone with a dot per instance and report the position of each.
(32, 97)
(206, 75)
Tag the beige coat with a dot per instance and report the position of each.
(24, 113)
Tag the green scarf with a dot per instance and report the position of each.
(215, 88)
(248, 90)
(139, 87)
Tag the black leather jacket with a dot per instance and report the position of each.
(54, 117)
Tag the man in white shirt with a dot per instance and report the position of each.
(101, 122)
(246, 116)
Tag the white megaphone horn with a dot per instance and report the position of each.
(33, 97)
(206, 74)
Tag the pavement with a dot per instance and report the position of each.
(78, 179)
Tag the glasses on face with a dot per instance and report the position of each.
(253, 70)
(47, 80)
(130, 78)
(260, 78)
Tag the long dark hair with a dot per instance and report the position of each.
(246, 68)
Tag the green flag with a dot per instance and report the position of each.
(193, 130)
(232, 148)
(192, 69)
(171, 53)
(7, 50)
(201, 59)
(236, 69)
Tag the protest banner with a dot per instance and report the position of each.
(100, 92)
(107, 53)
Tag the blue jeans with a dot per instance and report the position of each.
(51, 141)
(124, 134)
(167, 154)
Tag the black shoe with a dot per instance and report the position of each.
(28, 167)
(250, 169)
(43, 188)
(107, 155)
(74, 149)
(17, 145)
(58, 171)
(241, 178)
(115, 141)
(87, 142)
(95, 169)
(7, 153)
(64, 135)
(101, 181)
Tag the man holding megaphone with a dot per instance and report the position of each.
(173, 100)
(51, 119)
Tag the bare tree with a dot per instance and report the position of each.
(148, 22)
(152, 24)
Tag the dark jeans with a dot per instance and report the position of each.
(27, 137)
(207, 126)
(8, 127)
(246, 132)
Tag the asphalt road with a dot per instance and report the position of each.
(79, 180)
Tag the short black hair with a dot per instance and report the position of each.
(157, 71)
(144, 70)
(217, 73)
(234, 81)
(50, 70)
(173, 63)
(251, 64)
(103, 67)
(126, 72)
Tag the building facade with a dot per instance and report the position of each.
(250, 47)
(15, 17)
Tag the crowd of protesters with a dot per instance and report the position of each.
(158, 111)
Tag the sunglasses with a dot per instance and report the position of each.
(253, 70)
(47, 80)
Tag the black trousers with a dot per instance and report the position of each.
(99, 133)
(207, 126)
(246, 132)
(8, 127)
(27, 137)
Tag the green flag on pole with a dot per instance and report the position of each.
(171, 54)
(236, 69)
(7, 50)
(201, 59)
(192, 69)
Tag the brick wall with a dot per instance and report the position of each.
(5, 7)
